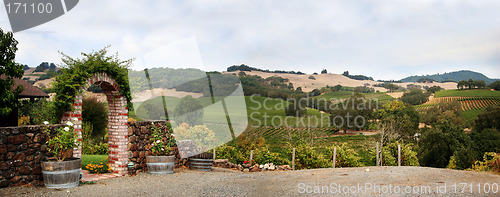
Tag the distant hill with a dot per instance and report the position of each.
(451, 77)
(244, 67)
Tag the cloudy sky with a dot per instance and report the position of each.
(382, 39)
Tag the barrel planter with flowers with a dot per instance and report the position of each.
(161, 162)
(62, 170)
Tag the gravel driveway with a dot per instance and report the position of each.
(375, 181)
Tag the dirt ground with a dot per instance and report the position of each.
(362, 181)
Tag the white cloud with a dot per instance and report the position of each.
(386, 40)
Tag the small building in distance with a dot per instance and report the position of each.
(29, 91)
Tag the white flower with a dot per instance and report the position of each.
(162, 149)
(152, 123)
(172, 134)
(75, 119)
(157, 141)
(66, 128)
(152, 144)
(45, 122)
(69, 123)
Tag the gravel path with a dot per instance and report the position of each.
(418, 181)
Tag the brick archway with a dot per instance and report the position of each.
(117, 121)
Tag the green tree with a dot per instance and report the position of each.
(324, 71)
(495, 85)
(487, 140)
(398, 121)
(8, 70)
(488, 119)
(470, 84)
(432, 114)
(391, 87)
(353, 113)
(434, 89)
(415, 97)
(296, 107)
(446, 138)
(189, 111)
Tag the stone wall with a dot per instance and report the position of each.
(139, 145)
(22, 149)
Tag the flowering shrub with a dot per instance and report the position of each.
(63, 142)
(491, 162)
(158, 146)
(200, 134)
(102, 167)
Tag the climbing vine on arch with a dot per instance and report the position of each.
(76, 72)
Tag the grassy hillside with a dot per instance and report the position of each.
(380, 96)
(467, 93)
(472, 101)
(261, 111)
(456, 76)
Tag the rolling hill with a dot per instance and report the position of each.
(322, 80)
(452, 76)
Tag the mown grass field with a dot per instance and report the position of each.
(260, 111)
(467, 93)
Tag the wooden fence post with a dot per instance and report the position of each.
(214, 155)
(334, 156)
(399, 154)
(251, 155)
(293, 159)
(377, 154)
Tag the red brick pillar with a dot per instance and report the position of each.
(118, 132)
(117, 121)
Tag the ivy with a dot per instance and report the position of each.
(77, 71)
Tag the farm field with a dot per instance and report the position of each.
(467, 103)
(472, 101)
(467, 93)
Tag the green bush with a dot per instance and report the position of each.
(96, 113)
(346, 157)
(296, 108)
(241, 152)
(307, 158)
(390, 155)
(96, 149)
(491, 162)
(38, 111)
(231, 153)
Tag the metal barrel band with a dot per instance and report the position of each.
(60, 186)
(62, 172)
(169, 163)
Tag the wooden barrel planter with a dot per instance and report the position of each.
(201, 162)
(160, 164)
(61, 174)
